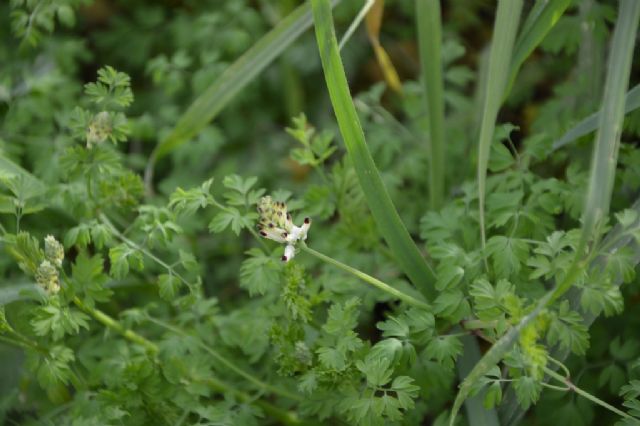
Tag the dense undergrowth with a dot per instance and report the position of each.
(201, 225)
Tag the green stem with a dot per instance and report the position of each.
(586, 394)
(16, 338)
(367, 278)
(17, 343)
(114, 325)
(228, 364)
(104, 219)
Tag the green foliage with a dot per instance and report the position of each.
(167, 304)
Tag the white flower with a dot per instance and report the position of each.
(276, 224)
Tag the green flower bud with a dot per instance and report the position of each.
(47, 277)
(53, 251)
(99, 129)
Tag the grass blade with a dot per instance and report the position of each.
(607, 141)
(543, 16)
(600, 185)
(382, 208)
(504, 34)
(589, 124)
(430, 42)
(233, 80)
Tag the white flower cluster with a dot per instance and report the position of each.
(276, 224)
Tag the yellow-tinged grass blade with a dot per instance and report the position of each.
(378, 200)
(373, 23)
(543, 16)
(600, 185)
(233, 80)
(504, 34)
(430, 42)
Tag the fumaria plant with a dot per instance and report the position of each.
(454, 251)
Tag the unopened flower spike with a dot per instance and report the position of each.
(275, 224)
(53, 251)
(47, 277)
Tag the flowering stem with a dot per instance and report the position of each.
(367, 278)
(114, 325)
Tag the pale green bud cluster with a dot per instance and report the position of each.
(47, 276)
(53, 251)
(99, 129)
(273, 214)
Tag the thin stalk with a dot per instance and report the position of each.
(430, 41)
(105, 220)
(355, 23)
(14, 342)
(585, 394)
(114, 325)
(502, 42)
(227, 363)
(367, 278)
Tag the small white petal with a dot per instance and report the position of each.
(289, 253)
(305, 228)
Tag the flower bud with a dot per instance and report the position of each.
(53, 251)
(47, 277)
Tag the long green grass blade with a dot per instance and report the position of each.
(234, 79)
(504, 34)
(601, 179)
(430, 41)
(382, 208)
(543, 16)
(590, 123)
(607, 141)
